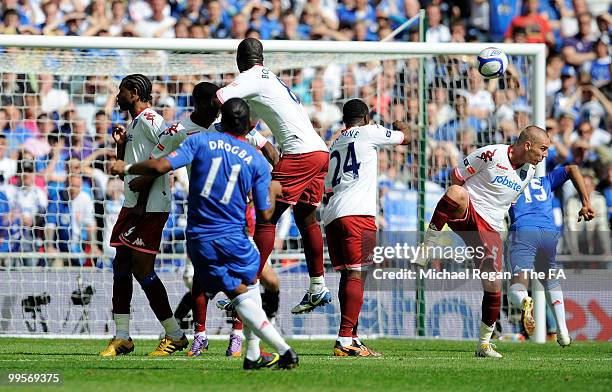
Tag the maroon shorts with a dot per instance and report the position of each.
(302, 177)
(351, 241)
(477, 232)
(139, 232)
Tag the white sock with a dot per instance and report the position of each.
(202, 334)
(432, 235)
(237, 332)
(122, 325)
(357, 340)
(254, 317)
(485, 332)
(345, 341)
(555, 300)
(518, 292)
(253, 352)
(316, 284)
(172, 328)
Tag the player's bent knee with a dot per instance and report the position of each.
(458, 194)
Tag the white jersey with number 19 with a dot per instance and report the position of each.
(353, 171)
(272, 101)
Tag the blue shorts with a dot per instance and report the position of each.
(223, 264)
(532, 248)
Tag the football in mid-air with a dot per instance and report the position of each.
(492, 63)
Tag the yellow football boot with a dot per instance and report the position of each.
(167, 346)
(117, 347)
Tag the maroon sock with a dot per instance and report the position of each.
(491, 302)
(355, 336)
(350, 307)
(157, 296)
(236, 322)
(122, 292)
(265, 234)
(313, 249)
(200, 305)
(446, 206)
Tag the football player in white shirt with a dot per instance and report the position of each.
(350, 226)
(484, 186)
(203, 119)
(137, 233)
(302, 166)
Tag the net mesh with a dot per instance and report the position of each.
(57, 111)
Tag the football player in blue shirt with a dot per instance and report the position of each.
(533, 241)
(224, 169)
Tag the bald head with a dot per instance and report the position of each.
(531, 146)
(533, 134)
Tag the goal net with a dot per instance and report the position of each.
(59, 204)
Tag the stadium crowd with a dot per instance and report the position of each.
(55, 144)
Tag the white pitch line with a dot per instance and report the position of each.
(220, 359)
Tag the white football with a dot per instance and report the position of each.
(492, 63)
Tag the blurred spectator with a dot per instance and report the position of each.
(536, 27)
(436, 31)
(562, 98)
(599, 68)
(240, 25)
(591, 237)
(480, 101)
(217, 20)
(325, 113)
(70, 226)
(29, 203)
(51, 98)
(12, 128)
(8, 166)
(579, 49)
(594, 137)
(159, 25)
(119, 17)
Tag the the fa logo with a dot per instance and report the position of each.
(127, 233)
(523, 174)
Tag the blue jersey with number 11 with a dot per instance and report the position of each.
(534, 207)
(224, 169)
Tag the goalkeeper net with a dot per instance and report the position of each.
(59, 204)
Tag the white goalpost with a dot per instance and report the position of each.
(395, 79)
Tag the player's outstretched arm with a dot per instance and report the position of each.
(151, 167)
(586, 211)
(405, 129)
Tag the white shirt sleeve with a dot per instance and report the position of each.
(381, 136)
(169, 141)
(244, 86)
(473, 163)
(256, 139)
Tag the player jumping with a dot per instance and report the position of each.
(301, 169)
(484, 186)
(224, 169)
(533, 244)
(350, 226)
(137, 233)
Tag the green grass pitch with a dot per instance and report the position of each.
(421, 365)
